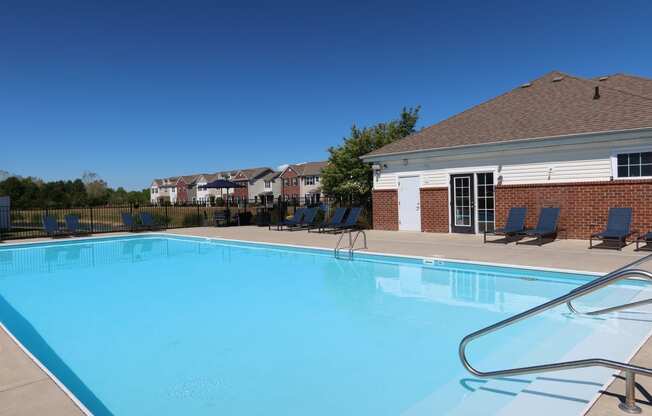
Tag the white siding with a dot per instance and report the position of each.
(541, 167)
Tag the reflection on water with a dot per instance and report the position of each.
(504, 293)
(75, 255)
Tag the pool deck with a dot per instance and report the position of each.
(26, 390)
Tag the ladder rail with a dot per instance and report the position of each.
(337, 246)
(629, 405)
(352, 246)
(572, 308)
(352, 240)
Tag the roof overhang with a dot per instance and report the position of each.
(517, 144)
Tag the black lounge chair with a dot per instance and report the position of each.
(334, 221)
(51, 227)
(515, 224)
(351, 221)
(618, 228)
(129, 222)
(73, 226)
(294, 221)
(148, 221)
(546, 226)
(308, 220)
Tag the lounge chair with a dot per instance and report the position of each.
(515, 224)
(51, 227)
(351, 221)
(618, 227)
(546, 226)
(294, 221)
(73, 226)
(128, 221)
(645, 239)
(334, 221)
(148, 221)
(308, 220)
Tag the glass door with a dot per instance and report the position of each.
(462, 203)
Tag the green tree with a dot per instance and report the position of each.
(346, 175)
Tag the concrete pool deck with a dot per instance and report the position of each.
(25, 389)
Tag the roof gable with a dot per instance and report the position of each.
(556, 104)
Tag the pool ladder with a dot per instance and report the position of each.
(629, 405)
(352, 240)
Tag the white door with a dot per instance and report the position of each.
(409, 204)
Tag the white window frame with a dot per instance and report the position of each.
(310, 180)
(614, 162)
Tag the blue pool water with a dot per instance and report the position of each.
(168, 326)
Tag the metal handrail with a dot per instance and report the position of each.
(629, 405)
(352, 246)
(352, 241)
(572, 308)
(337, 246)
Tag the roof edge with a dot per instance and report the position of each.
(515, 141)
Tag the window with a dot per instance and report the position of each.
(486, 209)
(268, 184)
(295, 181)
(310, 180)
(286, 182)
(632, 165)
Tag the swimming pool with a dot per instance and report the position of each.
(164, 325)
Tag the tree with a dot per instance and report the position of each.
(96, 188)
(346, 175)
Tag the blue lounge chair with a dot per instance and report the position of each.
(295, 220)
(334, 221)
(308, 220)
(351, 221)
(546, 226)
(645, 239)
(618, 227)
(147, 221)
(515, 224)
(73, 226)
(128, 221)
(51, 227)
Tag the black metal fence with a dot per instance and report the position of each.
(28, 223)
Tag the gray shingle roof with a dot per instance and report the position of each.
(556, 104)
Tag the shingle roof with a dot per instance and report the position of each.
(629, 83)
(309, 168)
(254, 173)
(271, 176)
(556, 104)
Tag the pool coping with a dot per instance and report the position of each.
(86, 411)
(47, 372)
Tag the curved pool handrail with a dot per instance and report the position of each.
(629, 404)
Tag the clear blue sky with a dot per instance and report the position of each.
(140, 89)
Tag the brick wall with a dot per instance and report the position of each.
(434, 210)
(584, 206)
(385, 209)
(291, 190)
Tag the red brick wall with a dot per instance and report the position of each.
(290, 191)
(182, 192)
(385, 209)
(434, 210)
(584, 206)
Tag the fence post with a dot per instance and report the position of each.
(167, 219)
(92, 224)
(198, 217)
